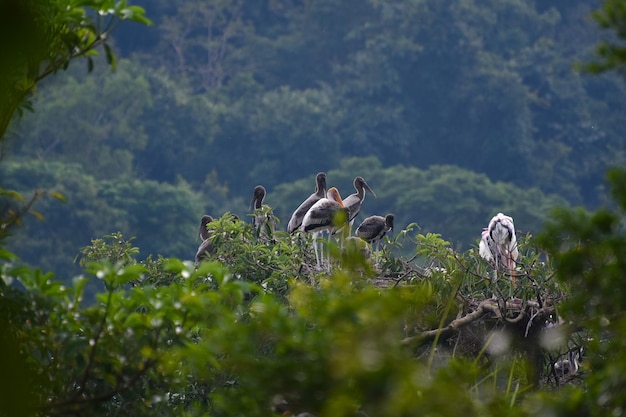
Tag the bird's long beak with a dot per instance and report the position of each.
(367, 187)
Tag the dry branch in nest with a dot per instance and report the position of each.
(511, 312)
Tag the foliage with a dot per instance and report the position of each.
(164, 215)
(96, 117)
(257, 328)
(612, 52)
(588, 250)
(41, 38)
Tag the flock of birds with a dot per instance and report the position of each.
(325, 211)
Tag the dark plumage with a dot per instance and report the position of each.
(262, 221)
(353, 201)
(257, 202)
(298, 215)
(203, 232)
(374, 228)
(206, 248)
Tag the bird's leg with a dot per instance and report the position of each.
(328, 251)
(511, 264)
(317, 258)
(376, 247)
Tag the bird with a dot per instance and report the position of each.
(486, 247)
(353, 201)
(203, 232)
(206, 247)
(261, 212)
(374, 228)
(298, 215)
(569, 366)
(325, 215)
(498, 243)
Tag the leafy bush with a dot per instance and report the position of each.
(257, 329)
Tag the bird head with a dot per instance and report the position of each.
(320, 183)
(257, 197)
(360, 184)
(333, 194)
(389, 221)
(203, 233)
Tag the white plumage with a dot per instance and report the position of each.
(498, 243)
(327, 214)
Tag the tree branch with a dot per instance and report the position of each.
(484, 308)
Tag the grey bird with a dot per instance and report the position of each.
(325, 215)
(261, 221)
(320, 192)
(257, 202)
(206, 248)
(353, 201)
(374, 228)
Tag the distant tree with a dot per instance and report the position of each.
(611, 52)
(164, 216)
(91, 120)
(204, 42)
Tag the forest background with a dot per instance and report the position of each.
(452, 111)
(257, 330)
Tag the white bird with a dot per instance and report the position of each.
(486, 247)
(374, 228)
(328, 214)
(569, 366)
(498, 243)
(320, 192)
(353, 201)
(206, 248)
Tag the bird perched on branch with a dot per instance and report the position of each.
(206, 248)
(298, 215)
(327, 214)
(498, 243)
(353, 201)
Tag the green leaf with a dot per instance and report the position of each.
(8, 256)
(58, 196)
(110, 56)
(37, 214)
